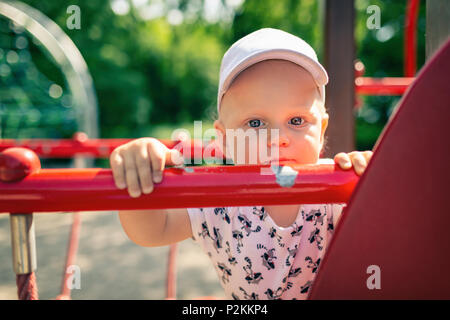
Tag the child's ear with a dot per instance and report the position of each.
(220, 128)
(220, 134)
(324, 126)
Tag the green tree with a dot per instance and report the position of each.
(157, 62)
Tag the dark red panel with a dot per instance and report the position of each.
(398, 217)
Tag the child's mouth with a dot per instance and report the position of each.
(279, 160)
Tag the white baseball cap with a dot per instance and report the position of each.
(265, 44)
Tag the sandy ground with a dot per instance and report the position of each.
(111, 266)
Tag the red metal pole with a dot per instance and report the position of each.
(47, 190)
(382, 86)
(171, 281)
(94, 189)
(410, 38)
(98, 148)
(71, 255)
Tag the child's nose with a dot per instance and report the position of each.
(278, 137)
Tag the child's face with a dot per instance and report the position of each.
(276, 94)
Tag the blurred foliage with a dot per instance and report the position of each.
(381, 51)
(30, 104)
(155, 64)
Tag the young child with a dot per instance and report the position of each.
(269, 79)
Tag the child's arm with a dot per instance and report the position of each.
(137, 165)
(154, 228)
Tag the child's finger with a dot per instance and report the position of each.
(158, 162)
(343, 160)
(359, 162)
(144, 169)
(131, 174)
(118, 169)
(174, 157)
(367, 155)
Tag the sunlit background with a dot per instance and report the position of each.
(155, 63)
(154, 66)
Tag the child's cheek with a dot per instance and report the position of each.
(308, 148)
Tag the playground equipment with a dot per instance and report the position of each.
(60, 49)
(50, 190)
(427, 89)
(396, 218)
(79, 97)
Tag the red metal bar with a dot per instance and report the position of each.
(171, 280)
(382, 86)
(410, 38)
(99, 148)
(50, 190)
(71, 255)
(63, 148)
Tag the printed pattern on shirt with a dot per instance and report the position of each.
(256, 259)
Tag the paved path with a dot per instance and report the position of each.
(112, 267)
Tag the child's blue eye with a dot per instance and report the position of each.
(297, 121)
(255, 123)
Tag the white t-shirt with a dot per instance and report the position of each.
(256, 259)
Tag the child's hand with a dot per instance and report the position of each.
(358, 159)
(139, 164)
